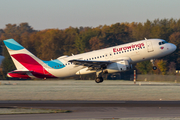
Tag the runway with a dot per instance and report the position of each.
(71, 103)
(109, 100)
(97, 109)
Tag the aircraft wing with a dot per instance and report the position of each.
(91, 64)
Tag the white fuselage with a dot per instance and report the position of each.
(132, 52)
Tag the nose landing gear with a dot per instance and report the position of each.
(154, 67)
(152, 61)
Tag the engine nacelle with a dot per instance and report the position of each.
(118, 66)
(84, 71)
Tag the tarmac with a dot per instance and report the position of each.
(109, 100)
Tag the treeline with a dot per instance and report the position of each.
(52, 43)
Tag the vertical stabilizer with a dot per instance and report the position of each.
(27, 64)
(20, 56)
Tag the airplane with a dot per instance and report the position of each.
(108, 60)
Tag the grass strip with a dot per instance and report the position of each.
(27, 110)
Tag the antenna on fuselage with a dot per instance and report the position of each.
(145, 38)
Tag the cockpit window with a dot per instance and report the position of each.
(163, 42)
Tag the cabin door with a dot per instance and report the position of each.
(149, 46)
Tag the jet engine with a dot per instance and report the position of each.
(119, 66)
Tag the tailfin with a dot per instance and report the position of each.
(27, 64)
(22, 58)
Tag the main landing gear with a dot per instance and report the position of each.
(99, 77)
(152, 61)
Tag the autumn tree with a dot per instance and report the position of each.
(48, 44)
(175, 39)
(82, 40)
(172, 68)
(115, 34)
(144, 67)
(70, 34)
(7, 63)
(162, 66)
(95, 43)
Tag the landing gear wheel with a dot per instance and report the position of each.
(153, 63)
(154, 67)
(99, 80)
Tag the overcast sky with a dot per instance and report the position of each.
(45, 14)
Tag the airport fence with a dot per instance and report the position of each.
(173, 78)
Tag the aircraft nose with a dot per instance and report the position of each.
(173, 47)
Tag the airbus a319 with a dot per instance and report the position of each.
(109, 60)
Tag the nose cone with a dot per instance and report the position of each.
(173, 47)
(170, 48)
